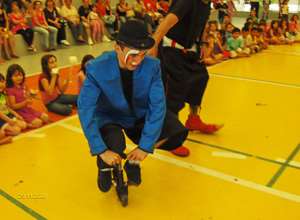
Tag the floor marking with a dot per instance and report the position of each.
(29, 133)
(242, 153)
(22, 206)
(213, 173)
(228, 155)
(72, 128)
(283, 167)
(228, 178)
(290, 53)
(36, 135)
(268, 82)
(294, 163)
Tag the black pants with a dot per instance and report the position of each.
(62, 105)
(185, 79)
(255, 6)
(61, 33)
(172, 130)
(27, 35)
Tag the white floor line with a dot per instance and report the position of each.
(29, 133)
(212, 173)
(291, 53)
(71, 127)
(36, 135)
(293, 163)
(256, 81)
(228, 155)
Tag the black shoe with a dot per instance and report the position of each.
(104, 176)
(133, 172)
(104, 180)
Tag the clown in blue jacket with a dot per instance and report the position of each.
(123, 93)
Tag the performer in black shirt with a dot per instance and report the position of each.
(184, 75)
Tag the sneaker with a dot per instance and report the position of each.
(104, 180)
(65, 42)
(133, 172)
(194, 123)
(106, 39)
(181, 151)
(90, 41)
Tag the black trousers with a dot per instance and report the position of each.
(61, 33)
(27, 35)
(114, 138)
(185, 78)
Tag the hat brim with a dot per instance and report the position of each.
(141, 44)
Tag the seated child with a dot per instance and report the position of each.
(211, 56)
(20, 98)
(235, 45)
(294, 27)
(11, 123)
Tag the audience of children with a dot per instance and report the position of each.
(226, 39)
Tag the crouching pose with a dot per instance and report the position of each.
(123, 92)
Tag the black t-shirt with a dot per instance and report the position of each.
(51, 15)
(193, 15)
(127, 84)
(84, 12)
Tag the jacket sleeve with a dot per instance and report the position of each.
(156, 113)
(87, 105)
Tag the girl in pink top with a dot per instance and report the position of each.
(20, 98)
(96, 24)
(294, 27)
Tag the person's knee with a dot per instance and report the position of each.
(36, 123)
(61, 110)
(45, 118)
(113, 137)
(14, 130)
(66, 110)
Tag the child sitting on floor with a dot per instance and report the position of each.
(20, 98)
(11, 123)
(235, 45)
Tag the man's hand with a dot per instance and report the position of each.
(137, 155)
(111, 158)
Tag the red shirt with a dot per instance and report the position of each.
(101, 8)
(150, 5)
